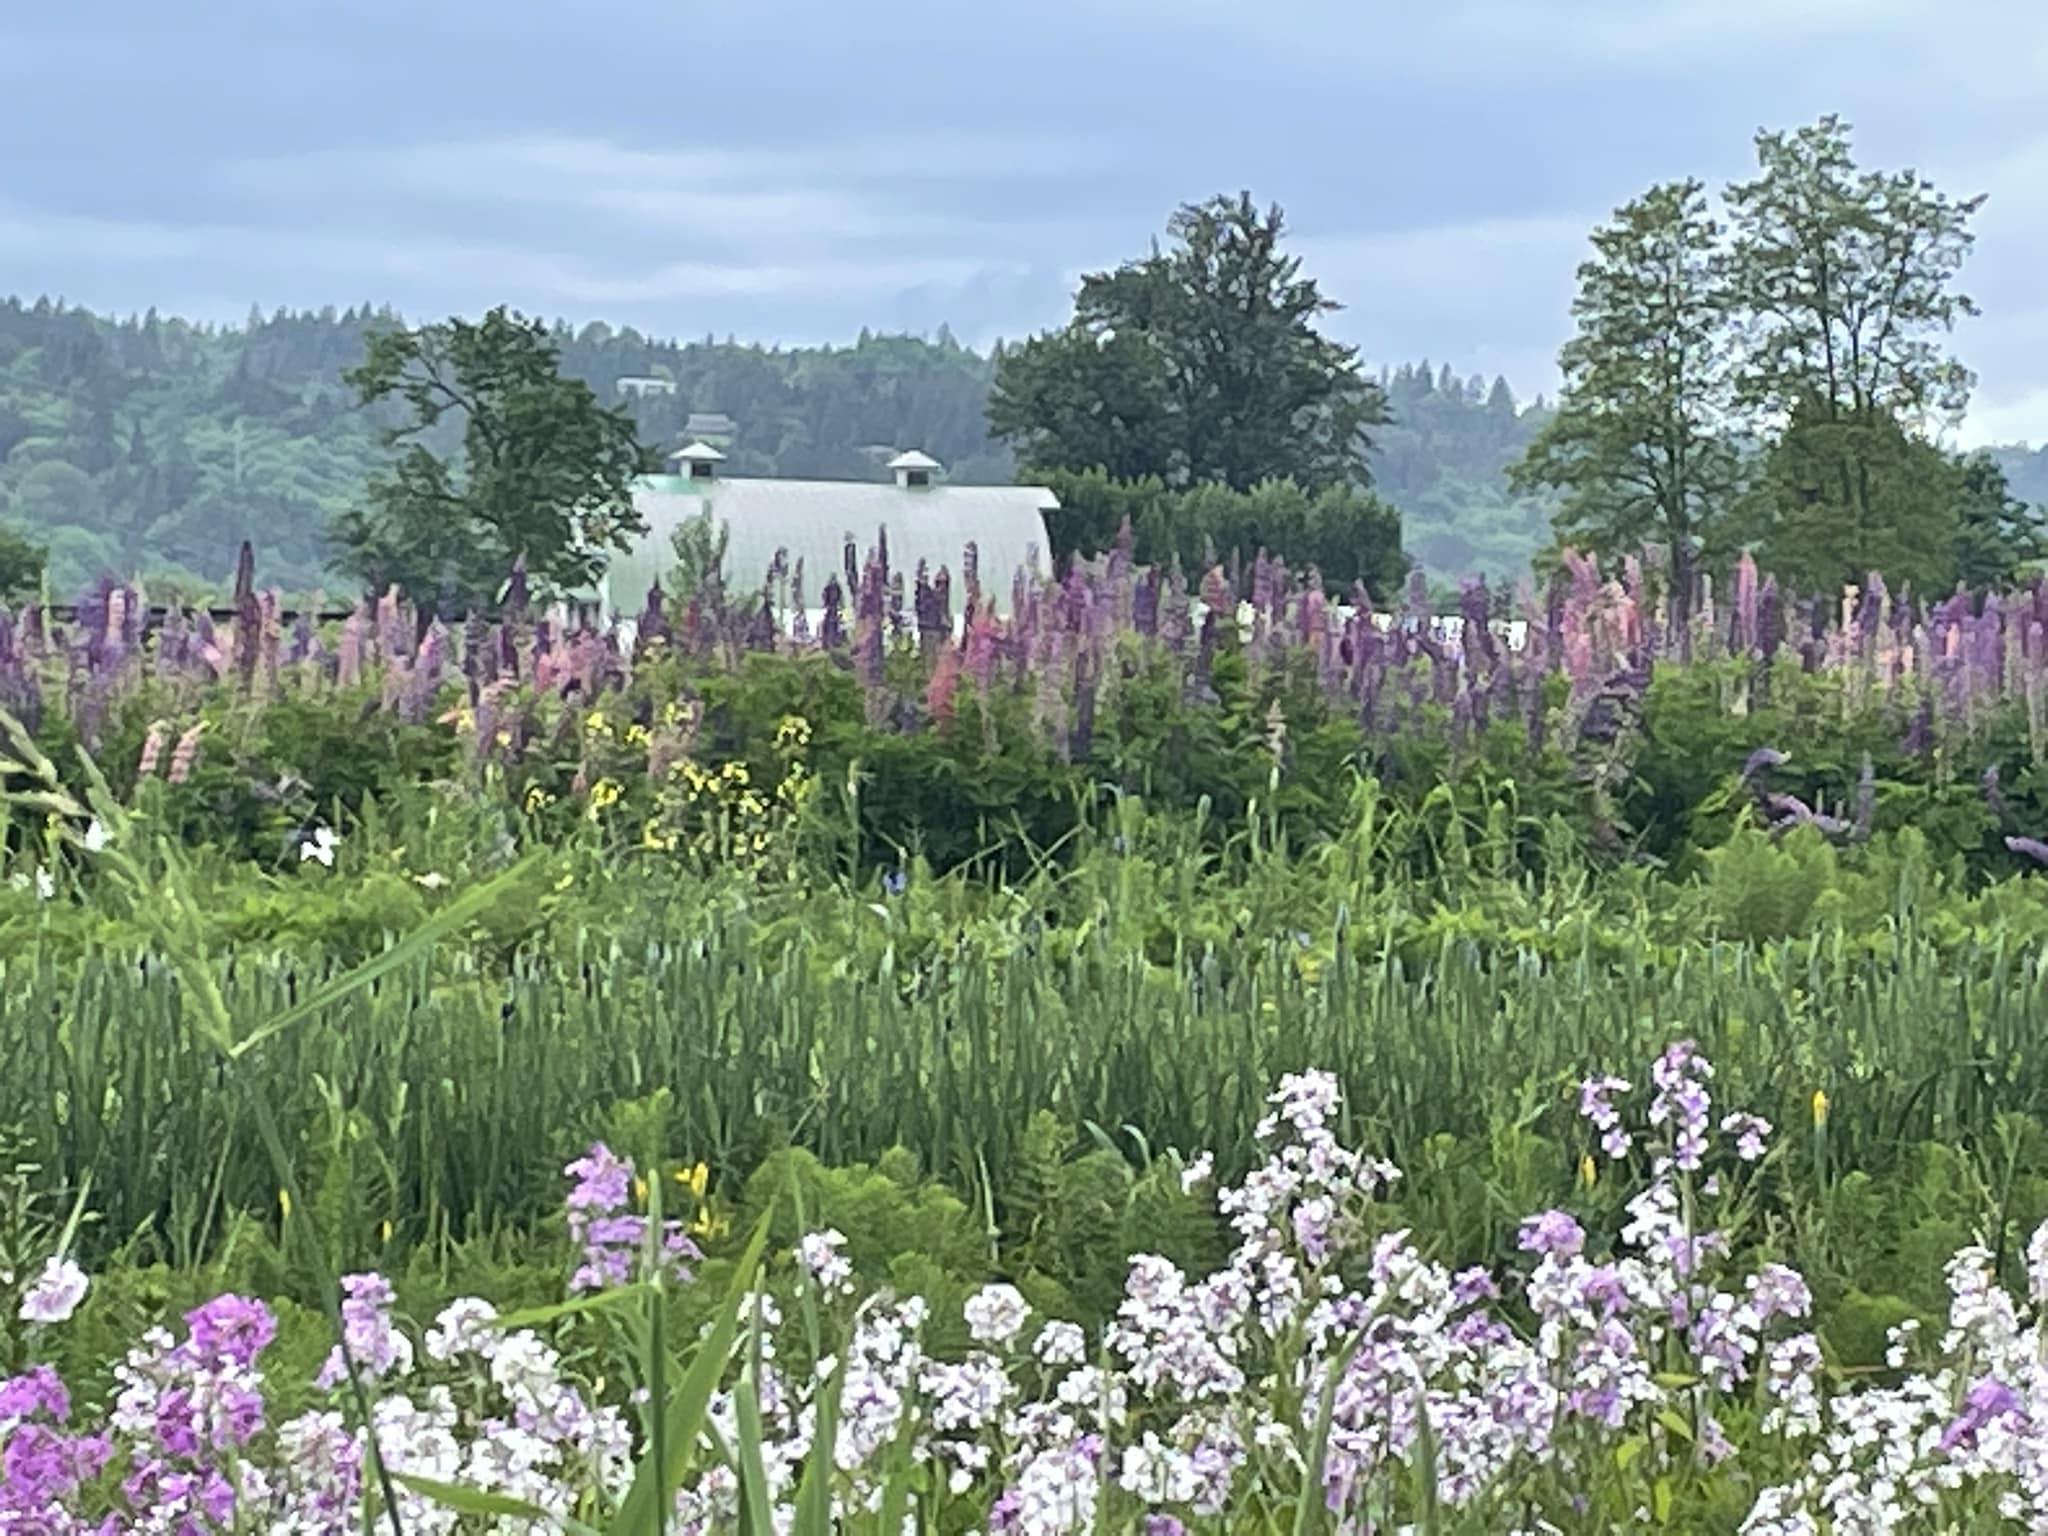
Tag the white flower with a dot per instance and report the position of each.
(1061, 1344)
(433, 880)
(95, 836)
(1197, 1173)
(318, 847)
(820, 1256)
(995, 1314)
(56, 1293)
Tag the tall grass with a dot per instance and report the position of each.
(445, 1096)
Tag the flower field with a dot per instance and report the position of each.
(1137, 1058)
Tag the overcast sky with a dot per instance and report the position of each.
(791, 172)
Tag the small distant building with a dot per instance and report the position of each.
(637, 385)
(713, 427)
(810, 521)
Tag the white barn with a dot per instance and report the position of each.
(809, 521)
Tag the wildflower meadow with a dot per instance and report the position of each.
(1125, 1054)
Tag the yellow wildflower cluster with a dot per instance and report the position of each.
(720, 814)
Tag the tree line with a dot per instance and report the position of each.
(1770, 369)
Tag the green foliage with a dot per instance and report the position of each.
(21, 566)
(1349, 535)
(1198, 363)
(545, 477)
(1635, 445)
(2000, 539)
(155, 445)
(699, 544)
(1838, 496)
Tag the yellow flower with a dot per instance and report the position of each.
(650, 837)
(605, 794)
(1820, 1108)
(536, 798)
(698, 1178)
(284, 1203)
(594, 724)
(636, 736)
(385, 1231)
(1589, 1172)
(640, 1190)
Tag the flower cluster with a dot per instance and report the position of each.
(613, 1239)
(1330, 1357)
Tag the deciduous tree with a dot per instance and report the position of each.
(545, 471)
(1638, 447)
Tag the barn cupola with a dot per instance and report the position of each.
(914, 470)
(699, 461)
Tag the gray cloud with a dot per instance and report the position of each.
(793, 171)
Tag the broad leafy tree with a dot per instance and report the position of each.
(1842, 283)
(1199, 363)
(1638, 449)
(544, 473)
(1845, 496)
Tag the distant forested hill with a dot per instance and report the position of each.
(155, 445)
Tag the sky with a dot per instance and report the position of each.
(789, 172)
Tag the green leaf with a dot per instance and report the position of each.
(459, 913)
(814, 1493)
(1660, 1501)
(654, 1483)
(1671, 1421)
(534, 1317)
(476, 1501)
(755, 1505)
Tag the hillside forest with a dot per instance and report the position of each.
(154, 445)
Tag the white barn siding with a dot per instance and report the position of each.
(809, 520)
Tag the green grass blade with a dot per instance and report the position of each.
(458, 914)
(756, 1512)
(475, 1501)
(644, 1512)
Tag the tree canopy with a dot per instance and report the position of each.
(1198, 363)
(1637, 446)
(1194, 385)
(544, 478)
(1780, 383)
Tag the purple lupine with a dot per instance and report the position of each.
(831, 620)
(1145, 603)
(1086, 668)
(1743, 611)
(2032, 847)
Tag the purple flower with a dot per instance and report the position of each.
(602, 1180)
(232, 1329)
(1988, 1399)
(2032, 847)
(1595, 1104)
(1552, 1232)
